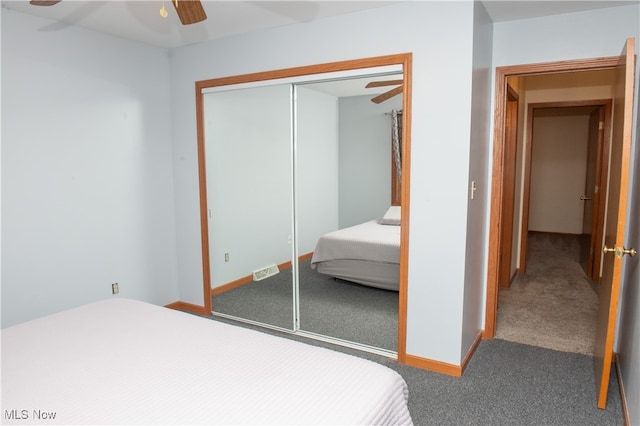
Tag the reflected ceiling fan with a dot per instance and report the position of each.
(189, 11)
(389, 94)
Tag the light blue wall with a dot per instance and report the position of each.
(87, 180)
(440, 144)
(440, 36)
(365, 158)
(479, 172)
(317, 183)
(249, 179)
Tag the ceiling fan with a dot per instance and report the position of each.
(189, 11)
(389, 94)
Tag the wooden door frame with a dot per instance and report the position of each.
(602, 159)
(508, 181)
(603, 141)
(497, 176)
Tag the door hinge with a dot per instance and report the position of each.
(596, 189)
(601, 125)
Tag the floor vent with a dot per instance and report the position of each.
(267, 272)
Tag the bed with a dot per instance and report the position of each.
(367, 253)
(121, 361)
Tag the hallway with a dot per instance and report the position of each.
(553, 305)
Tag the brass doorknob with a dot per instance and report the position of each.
(620, 251)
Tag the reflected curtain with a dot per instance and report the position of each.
(396, 117)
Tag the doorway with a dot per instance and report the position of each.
(553, 302)
(565, 166)
(614, 249)
(566, 72)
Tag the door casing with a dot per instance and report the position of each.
(598, 136)
(509, 189)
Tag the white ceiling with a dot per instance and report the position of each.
(141, 21)
(502, 10)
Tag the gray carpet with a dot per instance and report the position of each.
(505, 383)
(328, 306)
(553, 305)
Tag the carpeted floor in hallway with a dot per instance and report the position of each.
(553, 305)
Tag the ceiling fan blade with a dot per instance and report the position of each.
(387, 95)
(384, 83)
(189, 11)
(44, 2)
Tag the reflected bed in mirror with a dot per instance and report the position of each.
(368, 253)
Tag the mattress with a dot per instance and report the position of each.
(121, 361)
(373, 274)
(368, 253)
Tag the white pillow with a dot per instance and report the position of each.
(391, 217)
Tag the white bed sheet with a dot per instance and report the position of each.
(368, 254)
(367, 241)
(121, 361)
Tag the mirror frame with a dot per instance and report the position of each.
(404, 59)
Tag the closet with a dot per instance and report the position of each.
(270, 179)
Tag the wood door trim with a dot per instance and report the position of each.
(623, 395)
(603, 178)
(497, 171)
(508, 200)
(202, 187)
(189, 307)
(443, 367)
(524, 230)
(407, 68)
(329, 67)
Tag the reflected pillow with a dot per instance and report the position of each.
(391, 217)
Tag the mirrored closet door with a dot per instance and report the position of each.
(348, 276)
(248, 145)
(289, 160)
